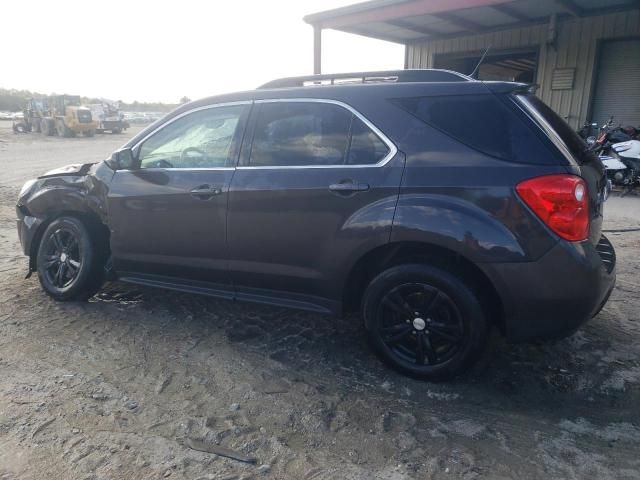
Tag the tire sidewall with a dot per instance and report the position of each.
(473, 318)
(87, 255)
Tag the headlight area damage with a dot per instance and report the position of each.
(77, 190)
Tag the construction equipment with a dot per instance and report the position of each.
(108, 117)
(63, 115)
(33, 113)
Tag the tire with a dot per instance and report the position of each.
(45, 127)
(116, 131)
(70, 260)
(62, 130)
(89, 133)
(424, 321)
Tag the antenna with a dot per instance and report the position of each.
(475, 70)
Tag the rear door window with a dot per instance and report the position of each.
(366, 147)
(307, 134)
(300, 134)
(481, 122)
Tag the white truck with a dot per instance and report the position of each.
(108, 116)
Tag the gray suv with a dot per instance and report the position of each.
(435, 205)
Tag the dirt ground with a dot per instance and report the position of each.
(125, 385)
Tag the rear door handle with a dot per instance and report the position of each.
(349, 187)
(205, 192)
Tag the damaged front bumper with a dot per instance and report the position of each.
(28, 227)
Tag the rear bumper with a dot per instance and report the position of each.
(554, 296)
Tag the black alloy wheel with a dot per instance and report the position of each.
(420, 324)
(424, 321)
(71, 259)
(62, 258)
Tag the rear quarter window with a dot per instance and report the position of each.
(482, 122)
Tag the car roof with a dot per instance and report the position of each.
(344, 92)
(408, 83)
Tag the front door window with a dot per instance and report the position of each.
(202, 139)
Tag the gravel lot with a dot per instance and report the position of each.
(130, 384)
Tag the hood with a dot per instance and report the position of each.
(76, 170)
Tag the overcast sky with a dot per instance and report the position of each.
(162, 50)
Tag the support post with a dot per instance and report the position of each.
(317, 50)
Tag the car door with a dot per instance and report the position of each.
(168, 215)
(316, 186)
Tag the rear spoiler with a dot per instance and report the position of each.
(511, 87)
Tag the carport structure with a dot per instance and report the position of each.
(583, 54)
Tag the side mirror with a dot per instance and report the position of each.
(121, 160)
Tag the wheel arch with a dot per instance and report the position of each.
(383, 257)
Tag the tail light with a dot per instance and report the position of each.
(561, 202)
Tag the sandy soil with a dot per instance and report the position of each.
(125, 385)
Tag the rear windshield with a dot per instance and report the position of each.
(481, 122)
(568, 141)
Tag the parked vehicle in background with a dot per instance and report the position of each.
(65, 116)
(108, 117)
(628, 153)
(142, 118)
(586, 132)
(619, 151)
(33, 112)
(363, 192)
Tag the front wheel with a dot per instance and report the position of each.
(70, 262)
(424, 321)
(46, 128)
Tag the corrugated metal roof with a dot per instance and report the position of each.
(407, 21)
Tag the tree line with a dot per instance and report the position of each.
(14, 100)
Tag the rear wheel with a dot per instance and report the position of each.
(116, 131)
(62, 129)
(424, 321)
(89, 133)
(70, 262)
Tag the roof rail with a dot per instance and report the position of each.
(391, 76)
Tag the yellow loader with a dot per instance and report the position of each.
(66, 117)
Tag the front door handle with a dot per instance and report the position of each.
(349, 187)
(205, 192)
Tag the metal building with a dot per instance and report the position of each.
(583, 54)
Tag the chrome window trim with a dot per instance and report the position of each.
(177, 169)
(393, 150)
(184, 114)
